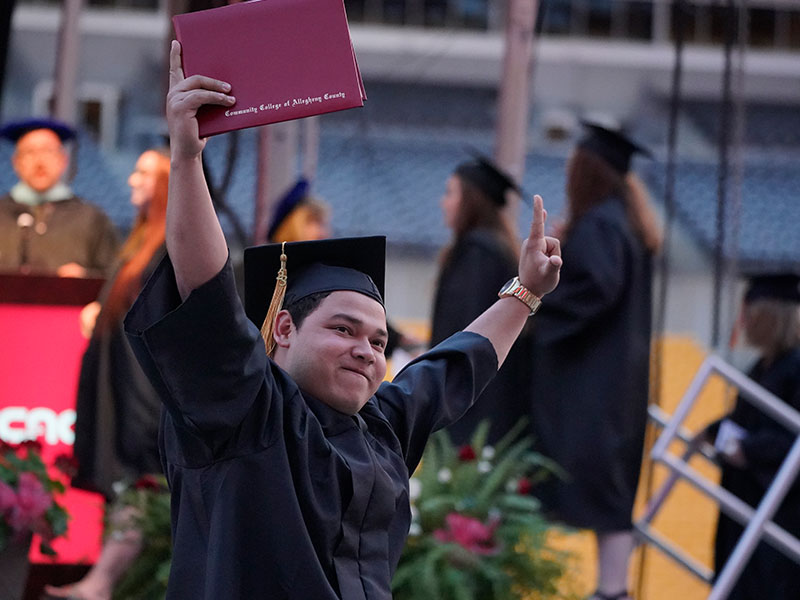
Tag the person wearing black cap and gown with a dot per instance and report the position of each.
(482, 256)
(300, 217)
(591, 349)
(289, 461)
(755, 445)
(44, 227)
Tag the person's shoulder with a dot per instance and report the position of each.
(793, 359)
(482, 240)
(612, 209)
(79, 204)
(607, 216)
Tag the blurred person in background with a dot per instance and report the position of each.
(751, 445)
(44, 227)
(591, 352)
(118, 411)
(299, 216)
(481, 257)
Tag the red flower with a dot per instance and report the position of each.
(29, 445)
(67, 464)
(8, 497)
(466, 453)
(469, 533)
(147, 482)
(524, 486)
(32, 502)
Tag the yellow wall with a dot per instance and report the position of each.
(687, 518)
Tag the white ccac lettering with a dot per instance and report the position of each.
(19, 423)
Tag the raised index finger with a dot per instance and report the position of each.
(537, 223)
(175, 65)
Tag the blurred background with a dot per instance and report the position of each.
(712, 88)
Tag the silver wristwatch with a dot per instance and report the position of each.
(515, 289)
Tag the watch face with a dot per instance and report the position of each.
(509, 285)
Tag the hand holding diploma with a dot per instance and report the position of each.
(185, 97)
(195, 242)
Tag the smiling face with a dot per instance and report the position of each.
(336, 355)
(40, 159)
(144, 179)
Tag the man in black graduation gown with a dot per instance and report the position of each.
(289, 472)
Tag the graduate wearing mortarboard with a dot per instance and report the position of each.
(591, 352)
(287, 457)
(752, 445)
(480, 259)
(44, 227)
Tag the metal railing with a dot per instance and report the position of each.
(757, 522)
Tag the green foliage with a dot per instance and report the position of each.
(476, 533)
(148, 500)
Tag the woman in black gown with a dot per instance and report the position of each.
(117, 409)
(591, 352)
(751, 457)
(481, 257)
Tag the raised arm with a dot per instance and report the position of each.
(539, 265)
(195, 242)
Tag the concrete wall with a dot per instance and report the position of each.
(127, 49)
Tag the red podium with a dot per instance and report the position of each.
(41, 348)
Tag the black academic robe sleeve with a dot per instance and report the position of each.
(592, 280)
(767, 443)
(103, 245)
(232, 373)
(435, 389)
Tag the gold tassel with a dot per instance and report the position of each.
(275, 305)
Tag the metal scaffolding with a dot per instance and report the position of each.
(757, 521)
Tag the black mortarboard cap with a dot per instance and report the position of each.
(287, 204)
(612, 145)
(488, 177)
(351, 264)
(14, 131)
(778, 286)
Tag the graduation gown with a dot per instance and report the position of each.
(591, 353)
(274, 494)
(468, 284)
(768, 574)
(66, 231)
(117, 411)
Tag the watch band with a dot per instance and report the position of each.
(516, 290)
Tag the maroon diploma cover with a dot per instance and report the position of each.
(284, 59)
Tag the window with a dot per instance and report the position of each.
(98, 109)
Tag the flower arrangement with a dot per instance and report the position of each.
(476, 531)
(145, 506)
(27, 497)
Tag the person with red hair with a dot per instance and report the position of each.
(591, 352)
(118, 411)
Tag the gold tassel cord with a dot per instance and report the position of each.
(275, 304)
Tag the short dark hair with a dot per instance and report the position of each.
(305, 306)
